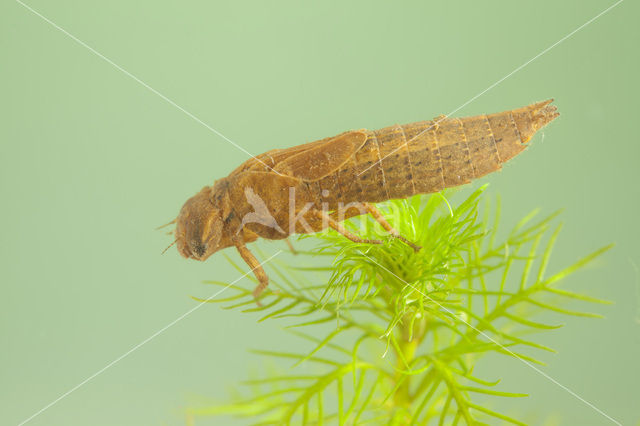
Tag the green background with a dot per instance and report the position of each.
(91, 161)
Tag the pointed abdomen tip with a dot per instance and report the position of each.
(543, 113)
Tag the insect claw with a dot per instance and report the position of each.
(415, 247)
(256, 295)
(291, 248)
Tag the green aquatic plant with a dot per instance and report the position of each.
(395, 334)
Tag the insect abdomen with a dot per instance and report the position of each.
(449, 152)
(428, 156)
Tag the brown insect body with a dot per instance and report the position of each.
(354, 168)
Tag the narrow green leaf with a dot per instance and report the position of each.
(280, 311)
(289, 355)
(530, 323)
(258, 308)
(369, 397)
(579, 264)
(577, 296)
(445, 410)
(322, 344)
(496, 414)
(563, 311)
(356, 394)
(493, 392)
(314, 322)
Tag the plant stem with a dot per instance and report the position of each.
(408, 342)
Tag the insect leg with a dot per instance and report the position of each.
(377, 215)
(342, 230)
(255, 266)
(293, 250)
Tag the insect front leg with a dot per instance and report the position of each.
(341, 229)
(377, 215)
(261, 275)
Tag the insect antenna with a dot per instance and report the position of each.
(169, 246)
(166, 224)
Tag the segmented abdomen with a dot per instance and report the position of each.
(428, 156)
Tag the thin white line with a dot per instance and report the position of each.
(500, 81)
(506, 349)
(64, 395)
(118, 67)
